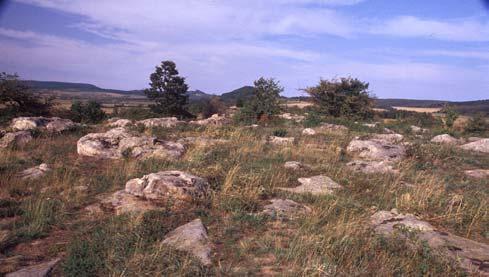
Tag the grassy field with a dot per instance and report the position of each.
(48, 217)
(418, 110)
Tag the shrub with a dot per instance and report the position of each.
(207, 107)
(90, 112)
(450, 116)
(280, 133)
(265, 101)
(312, 119)
(342, 97)
(477, 124)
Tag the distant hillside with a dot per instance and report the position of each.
(387, 103)
(244, 93)
(77, 87)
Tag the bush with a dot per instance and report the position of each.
(280, 133)
(91, 112)
(133, 113)
(477, 124)
(313, 119)
(342, 97)
(207, 107)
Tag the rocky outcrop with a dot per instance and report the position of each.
(214, 120)
(39, 270)
(281, 140)
(164, 122)
(391, 138)
(481, 146)
(35, 172)
(155, 190)
(294, 117)
(470, 255)
(477, 173)
(191, 238)
(378, 149)
(13, 139)
(52, 124)
(316, 185)
(118, 143)
(445, 139)
(294, 165)
(308, 132)
(372, 167)
(284, 209)
(119, 122)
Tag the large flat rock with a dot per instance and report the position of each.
(481, 146)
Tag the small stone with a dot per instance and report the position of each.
(281, 140)
(35, 172)
(294, 165)
(316, 185)
(192, 238)
(445, 139)
(19, 138)
(284, 208)
(372, 167)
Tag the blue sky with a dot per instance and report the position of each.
(421, 49)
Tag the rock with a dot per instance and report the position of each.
(391, 138)
(332, 127)
(168, 185)
(388, 131)
(35, 172)
(445, 138)
(13, 139)
(118, 122)
(215, 120)
(481, 145)
(477, 173)
(165, 122)
(294, 165)
(191, 238)
(201, 141)
(39, 270)
(372, 167)
(281, 140)
(308, 132)
(316, 185)
(416, 129)
(289, 116)
(284, 208)
(370, 125)
(53, 124)
(377, 149)
(122, 202)
(472, 139)
(471, 255)
(118, 143)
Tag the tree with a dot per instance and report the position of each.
(90, 112)
(265, 100)
(18, 99)
(450, 115)
(342, 97)
(477, 124)
(168, 90)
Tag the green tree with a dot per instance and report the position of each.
(450, 115)
(342, 97)
(91, 112)
(168, 90)
(18, 99)
(265, 101)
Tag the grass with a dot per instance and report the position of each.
(244, 173)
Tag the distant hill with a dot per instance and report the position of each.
(387, 103)
(231, 97)
(76, 87)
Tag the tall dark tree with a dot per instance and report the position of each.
(342, 97)
(168, 90)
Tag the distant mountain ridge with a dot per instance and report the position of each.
(246, 92)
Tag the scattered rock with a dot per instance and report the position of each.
(370, 125)
(165, 122)
(215, 120)
(201, 141)
(281, 140)
(377, 149)
(416, 129)
(391, 138)
(316, 185)
(372, 167)
(118, 143)
(295, 117)
(308, 132)
(35, 172)
(294, 165)
(19, 138)
(53, 124)
(39, 270)
(165, 185)
(477, 173)
(191, 238)
(471, 255)
(481, 145)
(118, 122)
(284, 209)
(445, 138)
(332, 127)
(122, 202)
